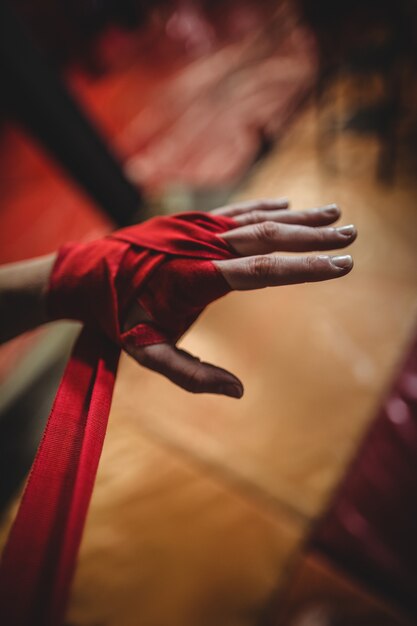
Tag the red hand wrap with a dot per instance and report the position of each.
(165, 265)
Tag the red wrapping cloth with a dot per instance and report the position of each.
(163, 264)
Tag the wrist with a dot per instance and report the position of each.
(41, 274)
(23, 295)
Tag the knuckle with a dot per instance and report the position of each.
(264, 203)
(260, 267)
(324, 234)
(193, 380)
(310, 216)
(311, 264)
(267, 231)
(255, 216)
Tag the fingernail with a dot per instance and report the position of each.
(330, 209)
(235, 391)
(283, 200)
(342, 262)
(347, 231)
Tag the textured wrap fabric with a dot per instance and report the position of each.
(165, 265)
(39, 557)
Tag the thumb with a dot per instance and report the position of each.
(186, 370)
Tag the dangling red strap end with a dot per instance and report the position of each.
(38, 561)
(158, 263)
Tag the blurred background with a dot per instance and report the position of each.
(295, 506)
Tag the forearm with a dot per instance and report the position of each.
(23, 288)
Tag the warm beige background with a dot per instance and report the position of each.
(202, 502)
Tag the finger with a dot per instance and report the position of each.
(322, 216)
(267, 237)
(186, 370)
(262, 204)
(256, 272)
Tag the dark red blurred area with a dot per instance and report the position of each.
(370, 527)
(187, 93)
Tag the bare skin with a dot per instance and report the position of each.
(264, 227)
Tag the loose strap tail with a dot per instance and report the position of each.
(39, 559)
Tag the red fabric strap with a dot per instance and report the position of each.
(163, 264)
(38, 560)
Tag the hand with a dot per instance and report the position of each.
(262, 227)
